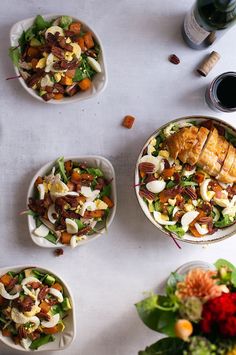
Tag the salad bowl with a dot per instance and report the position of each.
(99, 81)
(58, 341)
(220, 230)
(95, 164)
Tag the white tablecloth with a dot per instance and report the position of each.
(109, 275)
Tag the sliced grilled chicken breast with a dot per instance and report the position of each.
(175, 142)
(207, 157)
(187, 144)
(220, 155)
(229, 167)
(196, 149)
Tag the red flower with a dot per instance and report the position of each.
(219, 314)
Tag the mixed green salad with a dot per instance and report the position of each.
(71, 203)
(182, 197)
(33, 306)
(57, 58)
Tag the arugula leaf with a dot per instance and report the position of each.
(44, 339)
(154, 318)
(29, 34)
(65, 21)
(106, 191)
(79, 75)
(177, 230)
(166, 346)
(84, 70)
(221, 223)
(14, 54)
(95, 172)
(188, 183)
(51, 238)
(40, 24)
(62, 170)
(170, 184)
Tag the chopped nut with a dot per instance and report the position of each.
(128, 121)
(174, 59)
(58, 252)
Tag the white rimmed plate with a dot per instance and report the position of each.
(62, 340)
(99, 81)
(221, 234)
(93, 161)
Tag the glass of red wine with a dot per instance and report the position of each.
(221, 93)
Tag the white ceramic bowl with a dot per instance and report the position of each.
(92, 161)
(99, 81)
(197, 264)
(62, 340)
(189, 238)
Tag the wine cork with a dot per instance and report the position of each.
(208, 63)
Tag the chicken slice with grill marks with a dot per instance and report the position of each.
(228, 171)
(196, 149)
(175, 142)
(208, 157)
(187, 144)
(220, 155)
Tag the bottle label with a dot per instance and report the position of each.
(193, 30)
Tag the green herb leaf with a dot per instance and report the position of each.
(40, 23)
(14, 54)
(188, 183)
(65, 21)
(51, 238)
(170, 184)
(172, 281)
(154, 318)
(166, 346)
(95, 172)
(29, 34)
(79, 224)
(84, 70)
(62, 170)
(44, 339)
(176, 229)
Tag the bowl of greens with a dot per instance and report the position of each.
(37, 309)
(185, 179)
(71, 201)
(58, 58)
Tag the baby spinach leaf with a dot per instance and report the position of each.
(166, 346)
(106, 191)
(41, 24)
(95, 172)
(51, 238)
(79, 224)
(177, 230)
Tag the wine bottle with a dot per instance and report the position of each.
(207, 21)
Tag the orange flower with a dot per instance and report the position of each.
(200, 283)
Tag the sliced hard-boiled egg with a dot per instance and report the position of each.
(162, 219)
(59, 186)
(217, 214)
(230, 211)
(156, 186)
(26, 342)
(34, 310)
(202, 229)
(71, 226)
(18, 317)
(26, 281)
(52, 214)
(7, 295)
(74, 242)
(188, 217)
(41, 231)
(94, 64)
(53, 30)
(101, 205)
(188, 173)
(56, 293)
(36, 322)
(89, 205)
(76, 50)
(156, 161)
(41, 63)
(205, 194)
(176, 209)
(151, 146)
(89, 193)
(41, 190)
(52, 322)
(222, 202)
(172, 201)
(46, 81)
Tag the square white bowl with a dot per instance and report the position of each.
(220, 234)
(93, 161)
(99, 81)
(62, 340)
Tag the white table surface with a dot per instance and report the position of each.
(109, 275)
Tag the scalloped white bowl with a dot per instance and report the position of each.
(99, 81)
(221, 234)
(93, 161)
(62, 340)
